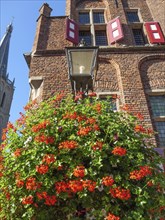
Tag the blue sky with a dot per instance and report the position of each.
(25, 14)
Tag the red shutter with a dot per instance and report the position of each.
(72, 31)
(114, 30)
(154, 32)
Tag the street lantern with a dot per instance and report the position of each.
(82, 64)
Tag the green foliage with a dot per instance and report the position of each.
(74, 160)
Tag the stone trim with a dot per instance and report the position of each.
(120, 49)
(155, 92)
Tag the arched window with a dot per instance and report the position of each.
(157, 104)
(3, 100)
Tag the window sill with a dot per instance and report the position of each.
(156, 92)
(159, 118)
(135, 24)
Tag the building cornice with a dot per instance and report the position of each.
(121, 49)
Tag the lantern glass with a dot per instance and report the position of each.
(82, 61)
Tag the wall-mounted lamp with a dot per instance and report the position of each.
(82, 63)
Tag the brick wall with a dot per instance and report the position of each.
(53, 69)
(50, 32)
(127, 70)
(152, 72)
(157, 9)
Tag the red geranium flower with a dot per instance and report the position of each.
(79, 171)
(98, 145)
(40, 126)
(107, 181)
(41, 195)
(123, 194)
(84, 131)
(140, 128)
(17, 153)
(119, 151)
(50, 200)
(62, 186)
(44, 139)
(76, 186)
(140, 174)
(42, 169)
(112, 217)
(89, 184)
(48, 158)
(68, 145)
(27, 200)
(31, 184)
(20, 183)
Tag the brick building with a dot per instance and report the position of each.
(131, 59)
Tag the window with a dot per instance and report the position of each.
(98, 17)
(136, 25)
(93, 27)
(84, 18)
(101, 38)
(132, 16)
(111, 98)
(160, 127)
(157, 104)
(3, 100)
(86, 35)
(138, 36)
(112, 102)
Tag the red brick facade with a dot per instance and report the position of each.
(133, 72)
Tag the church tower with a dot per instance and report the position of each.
(6, 86)
(131, 57)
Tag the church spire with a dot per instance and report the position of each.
(4, 51)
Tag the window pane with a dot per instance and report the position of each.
(160, 127)
(112, 102)
(133, 16)
(101, 38)
(86, 35)
(98, 17)
(157, 105)
(84, 18)
(138, 36)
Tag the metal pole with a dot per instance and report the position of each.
(74, 87)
